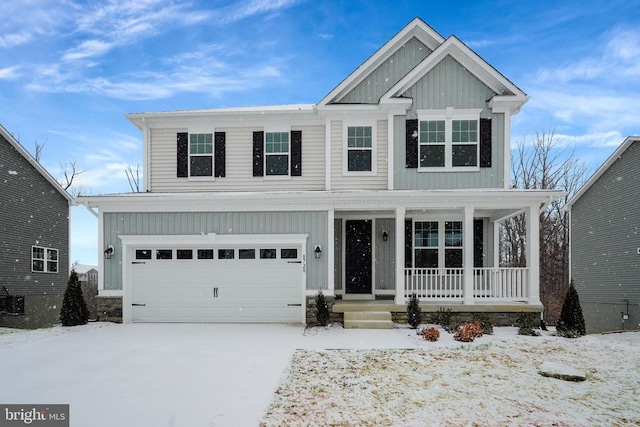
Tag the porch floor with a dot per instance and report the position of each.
(345, 306)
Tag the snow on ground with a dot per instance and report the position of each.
(242, 375)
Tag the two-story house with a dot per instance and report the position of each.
(394, 183)
(34, 239)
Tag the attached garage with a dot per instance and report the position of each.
(214, 278)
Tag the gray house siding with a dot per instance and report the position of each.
(385, 266)
(32, 213)
(195, 223)
(605, 237)
(388, 74)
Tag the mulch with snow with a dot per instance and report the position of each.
(492, 381)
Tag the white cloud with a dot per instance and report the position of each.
(15, 39)
(9, 73)
(246, 9)
(88, 49)
(325, 36)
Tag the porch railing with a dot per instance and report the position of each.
(447, 284)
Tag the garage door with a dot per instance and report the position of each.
(217, 284)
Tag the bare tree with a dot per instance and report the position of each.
(38, 148)
(70, 172)
(134, 179)
(544, 165)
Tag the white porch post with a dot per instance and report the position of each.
(400, 213)
(331, 251)
(533, 254)
(467, 275)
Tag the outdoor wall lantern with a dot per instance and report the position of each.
(109, 252)
(385, 235)
(317, 252)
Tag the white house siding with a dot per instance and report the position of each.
(376, 84)
(197, 223)
(605, 240)
(239, 163)
(340, 181)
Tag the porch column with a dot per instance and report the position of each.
(533, 253)
(399, 299)
(467, 240)
(331, 251)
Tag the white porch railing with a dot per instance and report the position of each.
(490, 284)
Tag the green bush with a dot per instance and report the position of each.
(414, 313)
(571, 323)
(74, 310)
(486, 322)
(526, 323)
(322, 313)
(444, 318)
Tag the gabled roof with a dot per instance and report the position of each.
(602, 169)
(470, 60)
(416, 28)
(37, 166)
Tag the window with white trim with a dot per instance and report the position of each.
(276, 157)
(448, 139)
(200, 154)
(359, 149)
(44, 260)
(435, 249)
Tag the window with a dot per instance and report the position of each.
(226, 254)
(44, 260)
(448, 138)
(200, 154)
(289, 253)
(267, 253)
(247, 253)
(164, 254)
(205, 253)
(277, 153)
(184, 254)
(359, 149)
(433, 249)
(143, 253)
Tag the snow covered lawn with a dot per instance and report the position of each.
(241, 375)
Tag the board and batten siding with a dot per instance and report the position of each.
(32, 213)
(605, 237)
(376, 84)
(340, 181)
(197, 223)
(239, 163)
(385, 255)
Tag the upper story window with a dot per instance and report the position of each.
(359, 151)
(200, 154)
(44, 260)
(276, 153)
(448, 139)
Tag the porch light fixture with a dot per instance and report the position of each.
(109, 252)
(385, 235)
(317, 252)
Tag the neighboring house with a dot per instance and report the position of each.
(34, 248)
(394, 183)
(88, 278)
(605, 242)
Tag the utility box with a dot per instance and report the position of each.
(13, 304)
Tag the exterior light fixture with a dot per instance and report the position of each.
(109, 252)
(317, 252)
(385, 235)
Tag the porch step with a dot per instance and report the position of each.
(368, 320)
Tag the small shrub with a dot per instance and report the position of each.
(486, 322)
(322, 314)
(444, 318)
(467, 332)
(414, 313)
(526, 322)
(431, 334)
(74, 310)
(571, 323)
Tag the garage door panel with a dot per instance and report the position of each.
(220, 290)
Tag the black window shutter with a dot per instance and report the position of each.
(485, 143)
(408, 243)
(182, 167)
(296, 153)
(220, 154)
(258, 153)
(478, 243)
(412, 143)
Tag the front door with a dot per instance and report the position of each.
(357, 259)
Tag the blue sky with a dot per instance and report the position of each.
(70, 70)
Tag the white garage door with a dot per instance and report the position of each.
(217, 284)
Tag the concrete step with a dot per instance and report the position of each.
(368, 324)
(348, 306)
(367, 315)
